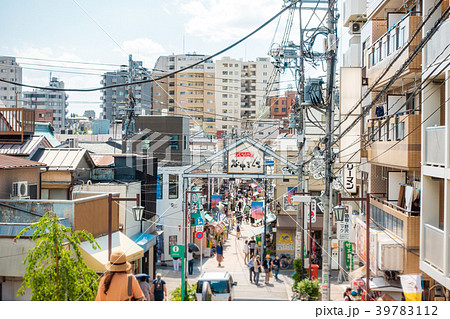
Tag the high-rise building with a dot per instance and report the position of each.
(189, 93)
(49, 100)
(115, 100)
(281, 107)
(240, 88)
(10, 94)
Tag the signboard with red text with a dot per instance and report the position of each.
(247, 159)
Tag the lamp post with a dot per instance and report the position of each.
(339, 210)
(138, 210)
(278, 208)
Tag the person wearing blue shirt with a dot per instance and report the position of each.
(251, 268)
(219, 253)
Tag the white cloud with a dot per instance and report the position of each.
(224, 20)
(144, 49)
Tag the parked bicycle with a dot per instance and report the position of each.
(285, 261)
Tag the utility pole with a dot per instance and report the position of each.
(327, 218)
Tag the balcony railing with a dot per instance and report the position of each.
(435, 140)
(15, 123)
(394, 206)
(395, 140)
(434, 246)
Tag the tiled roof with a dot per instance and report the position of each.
(8, 162)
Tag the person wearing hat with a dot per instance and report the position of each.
(159, 289)
(257, 269)
(114, 283)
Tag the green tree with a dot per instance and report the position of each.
(299, 273)
(175, 295)
(55, 269)
(309, 289)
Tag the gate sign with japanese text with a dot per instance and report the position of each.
(247, 159)
(350, 178)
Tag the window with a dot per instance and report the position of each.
(277, 110)
(173, 186)
(157, 93)
(264, 66)
(185, 142)
(264, 73)
(283, 109)
(159, 186)
(173, 143)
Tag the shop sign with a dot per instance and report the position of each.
(311, 208)
(343, 227)
(348, 253)
(350, 178)
(285, 246)
(257, 208)
(246, 159)
(361, 245)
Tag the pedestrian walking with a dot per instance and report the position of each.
(252, 244)
(267, 265)
(246, 252)
(190, 262)
(257, 268)
(158, 292)
(238, 230)
(176, 263)
(219, 253)
(276, 267)
(145, 287)
(251, 268)
(115, 284)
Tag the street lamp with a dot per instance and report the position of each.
(278, 208)
(138, 212)
(339, 212)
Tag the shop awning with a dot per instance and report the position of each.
(97, 258)
(270, 218)
(209, 218)
(357, 274)
(379, 284)
(286, 222)
(144, 240)
(256, 231)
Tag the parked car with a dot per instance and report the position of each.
(220, 283)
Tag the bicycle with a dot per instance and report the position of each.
(285, 261)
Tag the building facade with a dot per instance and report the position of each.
(50, 100)
(115, 100)
(10, 94)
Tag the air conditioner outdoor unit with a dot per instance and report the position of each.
(355, 28)
(20, 189)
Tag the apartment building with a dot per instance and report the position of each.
(387, 154)
(115, 100)
(56, 101)
(435, 210)
(240, 88)
(189, 93)
(10, 94)
(281, 107)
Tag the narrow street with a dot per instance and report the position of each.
(234, 263)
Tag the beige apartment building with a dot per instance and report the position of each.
(189, 93)
(10, 94)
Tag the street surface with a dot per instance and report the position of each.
(234, 263)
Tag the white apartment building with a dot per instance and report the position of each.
(435, 210)
(10, 94)
(50, 100)
(240, 90)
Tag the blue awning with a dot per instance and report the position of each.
(145, 241)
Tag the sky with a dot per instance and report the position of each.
(106, 31)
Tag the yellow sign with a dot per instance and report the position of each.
(285, 238)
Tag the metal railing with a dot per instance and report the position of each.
(434, 145)
(434, 246)
(394, 206)
(15, 122)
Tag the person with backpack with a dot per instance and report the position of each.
(159, 289)
(118, 283)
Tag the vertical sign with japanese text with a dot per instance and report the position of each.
(350, 178)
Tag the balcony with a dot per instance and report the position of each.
(395, 140)
(434, 140)
(433, 239)
(438, 43)
(15, 124)
(353, 10)
(380, 54)
(377, 9)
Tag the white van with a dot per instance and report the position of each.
(221, 284)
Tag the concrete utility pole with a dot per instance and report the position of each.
(328, 215)
(299, 251)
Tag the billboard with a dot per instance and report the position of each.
(246, 159)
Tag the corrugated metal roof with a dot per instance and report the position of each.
(7, 162)
(27, 148)
(99, 147)
(62, 158)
